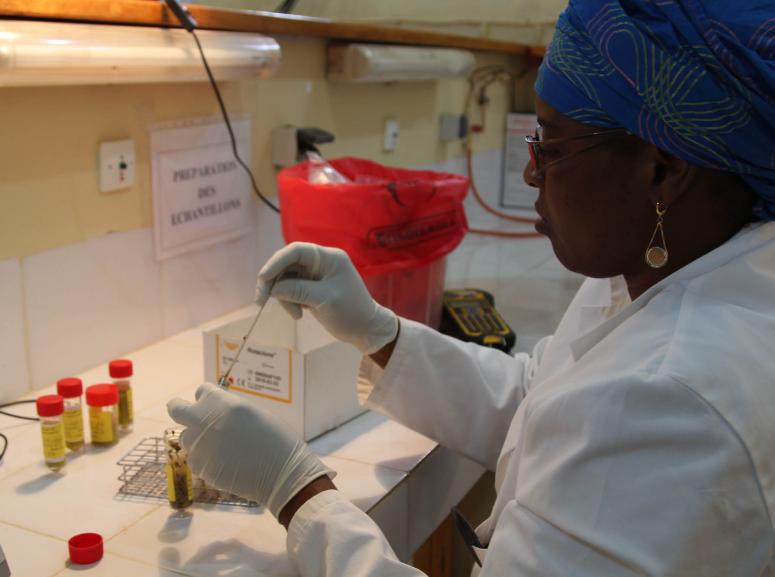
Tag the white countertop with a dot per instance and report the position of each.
(403, 480)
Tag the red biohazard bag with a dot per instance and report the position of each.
(386, 219)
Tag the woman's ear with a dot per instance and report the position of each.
(670, 176)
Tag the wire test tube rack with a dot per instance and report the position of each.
(144, 476)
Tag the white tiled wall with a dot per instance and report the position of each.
(83, 304)
(196, 287)
(13, 359)
(90, 301)
(77, 306)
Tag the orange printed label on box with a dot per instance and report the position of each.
(263, 371)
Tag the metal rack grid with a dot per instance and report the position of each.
(144, 475)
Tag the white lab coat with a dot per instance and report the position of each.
(638, 440)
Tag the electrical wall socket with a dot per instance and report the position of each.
(390, 138)
(116, 165)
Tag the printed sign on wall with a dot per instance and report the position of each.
(201, 195)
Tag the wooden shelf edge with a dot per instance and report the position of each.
(153, 13)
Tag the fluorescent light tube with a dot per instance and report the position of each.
(52, 53)
(385, 63)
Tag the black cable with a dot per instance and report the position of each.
(14, 415)
(13, 404)
(286, 7)
(228, 125)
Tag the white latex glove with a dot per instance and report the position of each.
(236, 447)
(325, 281)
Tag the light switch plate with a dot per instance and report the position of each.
(453, 127)
(116, 165)
(285, 147)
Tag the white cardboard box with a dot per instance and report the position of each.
(294, 369)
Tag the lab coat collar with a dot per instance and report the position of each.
(602, 296)
(748, 239)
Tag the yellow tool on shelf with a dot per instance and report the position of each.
(470, 315)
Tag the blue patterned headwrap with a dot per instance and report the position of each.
(694, 77)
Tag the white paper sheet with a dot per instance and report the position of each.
(201, 195)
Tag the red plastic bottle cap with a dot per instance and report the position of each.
(102, 395)
(70, 387)
(50, 405)
(120, 368)
(85, 548)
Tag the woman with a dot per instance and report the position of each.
(640, 438)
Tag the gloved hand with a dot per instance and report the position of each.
(236, 447)
(325, 281)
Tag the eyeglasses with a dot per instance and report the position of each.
(538, 156)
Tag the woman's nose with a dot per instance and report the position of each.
(529, 174)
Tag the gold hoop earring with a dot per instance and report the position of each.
(656, 256)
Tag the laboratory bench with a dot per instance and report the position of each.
(403, 480)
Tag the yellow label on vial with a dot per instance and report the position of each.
(170, 483)
(125, 409)
(53, 440)
(171, 493)
(73, 421)
(101, 424)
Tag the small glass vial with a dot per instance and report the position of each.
(103, 414)
(52, 428)
(121, 373)
(71, 389)
(180, 490)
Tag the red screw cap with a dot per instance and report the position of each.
(70, 387)
(85, 548)
(50, 405)
(120, 368)
(101, 395)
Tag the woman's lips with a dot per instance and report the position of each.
(541, 225)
